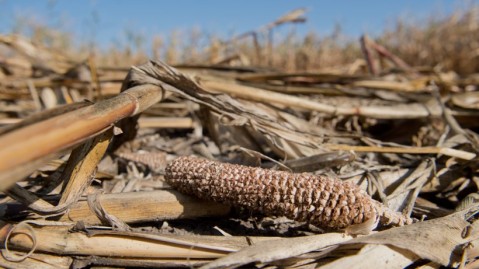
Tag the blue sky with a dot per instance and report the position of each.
(105, 21)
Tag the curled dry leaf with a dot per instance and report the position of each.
(279, 249)
(291, 140)
(440, 240)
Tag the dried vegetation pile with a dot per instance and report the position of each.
(370, 148)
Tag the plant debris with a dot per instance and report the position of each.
(274, 167)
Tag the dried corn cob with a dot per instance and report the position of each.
(321, 201)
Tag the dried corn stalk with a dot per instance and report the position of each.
(319, 200)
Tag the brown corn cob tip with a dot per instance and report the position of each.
(321, 201)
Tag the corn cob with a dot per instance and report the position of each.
(319, 200)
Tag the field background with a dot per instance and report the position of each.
(444, 39)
